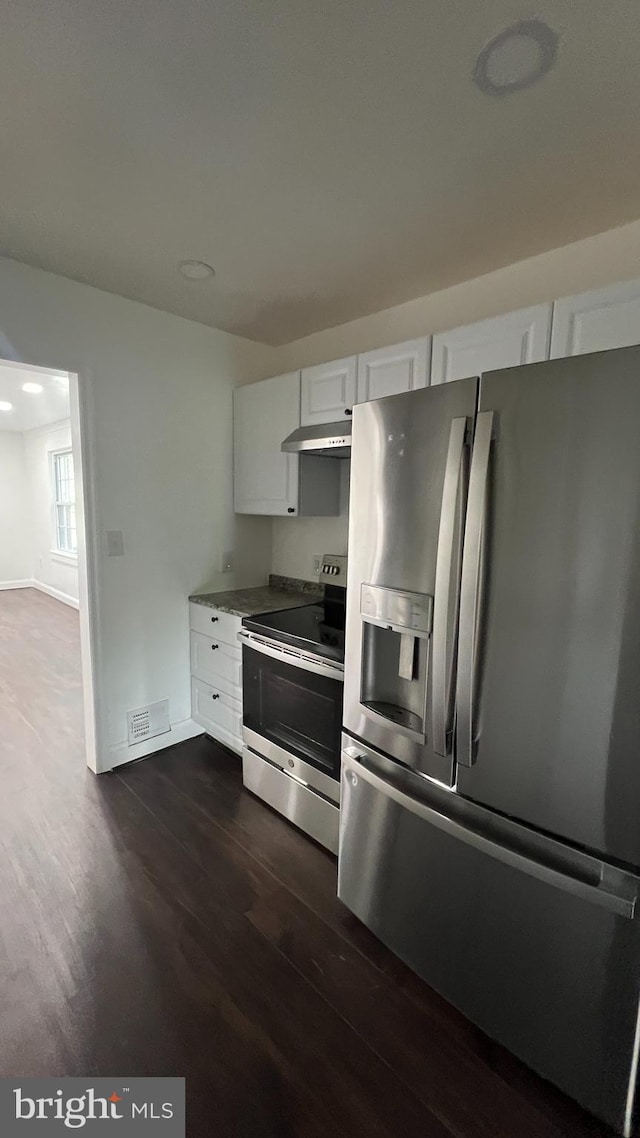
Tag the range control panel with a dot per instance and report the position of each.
(333, 568)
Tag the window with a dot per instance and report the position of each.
(64, 498)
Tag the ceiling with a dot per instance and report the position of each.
(328, 159)
(32, 410)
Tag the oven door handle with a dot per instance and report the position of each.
(290, 656)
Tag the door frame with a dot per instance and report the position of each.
(83, 444)
(83, 448)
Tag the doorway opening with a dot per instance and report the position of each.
(46, 676)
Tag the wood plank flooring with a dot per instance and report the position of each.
(160, 920)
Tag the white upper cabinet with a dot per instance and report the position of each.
(520, 337)
(266, 480)
(328, 392)
(390, 371)
(596, 321)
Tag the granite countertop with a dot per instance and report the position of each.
(280, 593)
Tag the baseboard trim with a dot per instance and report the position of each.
(25, 584)
(120, 753)
(57, 594)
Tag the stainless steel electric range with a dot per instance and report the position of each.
(293, 669)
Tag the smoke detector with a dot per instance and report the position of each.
(196, 270)
(516, 58)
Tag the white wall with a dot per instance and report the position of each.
(15, 544)
(47, 567)
(297, 540)
(593, 263)
(159, 391)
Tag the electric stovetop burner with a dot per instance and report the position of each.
(317, 628)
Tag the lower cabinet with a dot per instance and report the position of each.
(217, 663)
(216, 674)
(219, 714)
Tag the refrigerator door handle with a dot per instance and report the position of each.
(594, 881)
(470, 589)
(447, 592)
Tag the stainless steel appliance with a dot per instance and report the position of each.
(331, 439)
(292, 688)
(490, 811)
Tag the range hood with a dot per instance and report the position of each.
(322, 438)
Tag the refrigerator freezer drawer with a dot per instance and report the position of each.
(543, 960)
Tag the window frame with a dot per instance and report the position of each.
(58, 551)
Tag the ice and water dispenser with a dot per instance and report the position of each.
(396, 629)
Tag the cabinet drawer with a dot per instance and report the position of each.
(215, 624)
(214, 710)
(217, 663)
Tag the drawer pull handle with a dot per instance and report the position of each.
(215, 695)
(348, 411)
(214, 619)
(214, 646)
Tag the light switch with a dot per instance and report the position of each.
(115, 543)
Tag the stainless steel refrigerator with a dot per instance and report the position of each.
(490, 798)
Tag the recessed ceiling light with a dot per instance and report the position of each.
(4, 406)
(32, 388)
(196, 270)
(516, 58)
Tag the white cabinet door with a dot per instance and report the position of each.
(220, 715)
(217, 664)
(520, 337)
(596, 321)
(328, 391)
(390, 371)
(215, 623)
(266, 480)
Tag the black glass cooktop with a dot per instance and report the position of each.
(317, 628)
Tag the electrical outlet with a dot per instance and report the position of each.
(226, 562)
(317, 562)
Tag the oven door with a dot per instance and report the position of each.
(294, 701)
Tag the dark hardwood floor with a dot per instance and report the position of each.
(160, 920)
